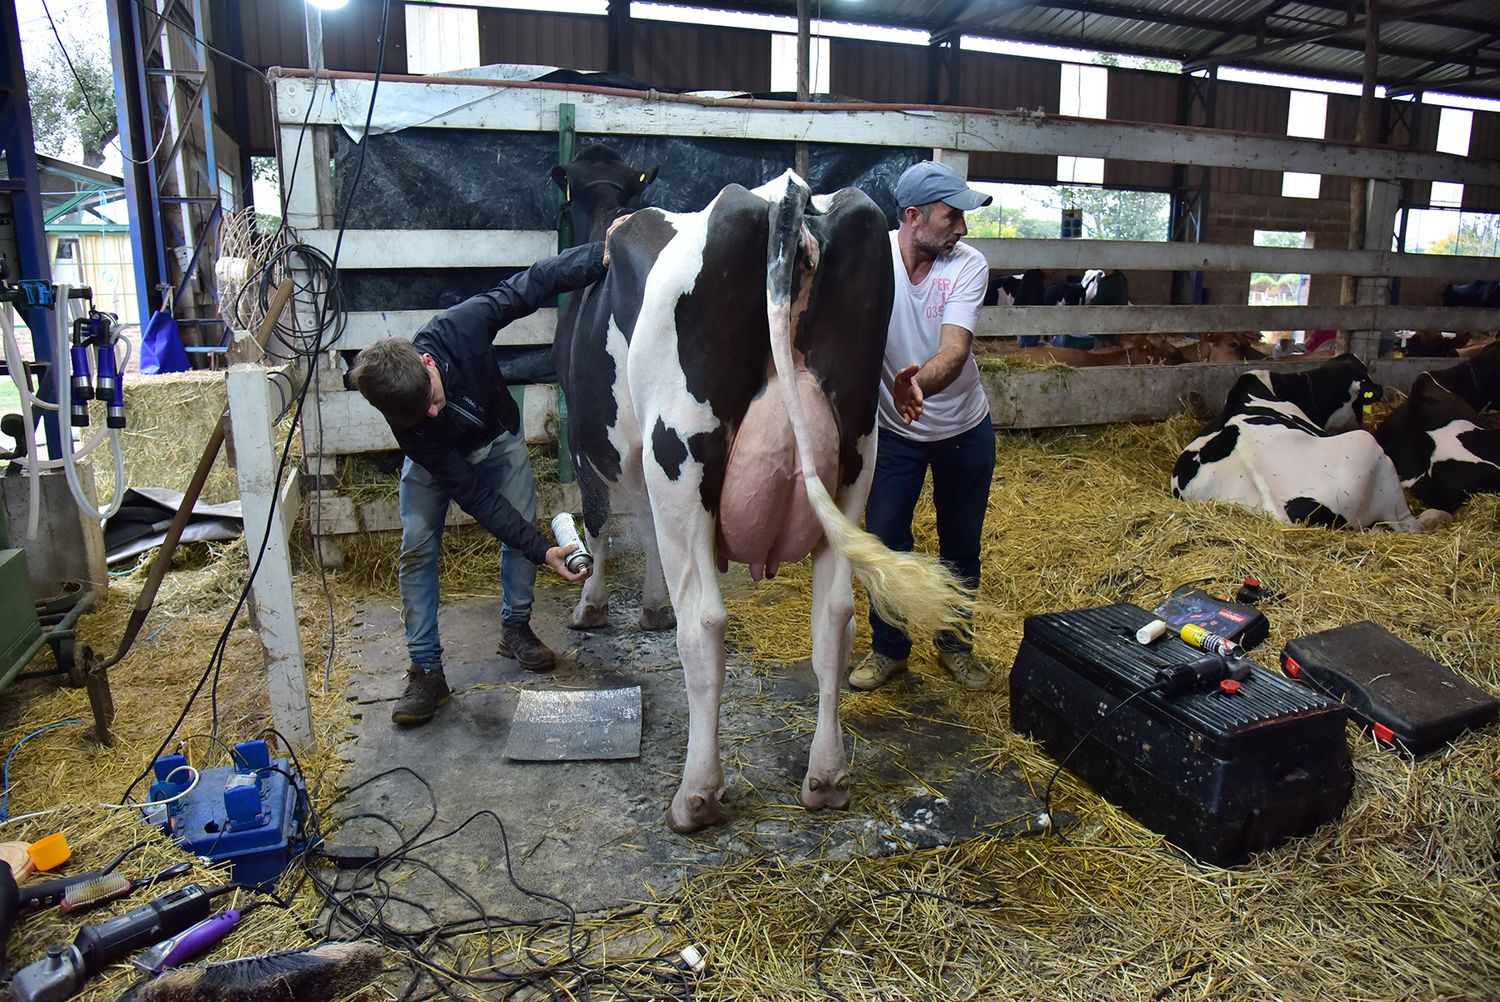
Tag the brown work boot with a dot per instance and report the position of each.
(967, 670)
(519, 642)
(425, 692)
(875, 671)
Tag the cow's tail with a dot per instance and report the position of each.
(910, 590)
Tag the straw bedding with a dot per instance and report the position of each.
(1398, 899)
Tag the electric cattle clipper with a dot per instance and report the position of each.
(63, 971)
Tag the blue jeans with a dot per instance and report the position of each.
(962, 468)
(506, 468)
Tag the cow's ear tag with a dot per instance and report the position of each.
(643, 179)
(568, 191)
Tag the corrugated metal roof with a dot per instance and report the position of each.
(1452, 45)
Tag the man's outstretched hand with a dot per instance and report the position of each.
(907, 394)
(557, 559)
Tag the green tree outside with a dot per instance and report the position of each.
(62, 112)
(1477, 236)
(1115, 214)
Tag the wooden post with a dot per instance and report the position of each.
(804, 82)
(273, 603)
(1359, 192)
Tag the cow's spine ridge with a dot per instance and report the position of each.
(912, 591)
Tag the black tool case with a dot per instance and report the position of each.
(1220, 774)
(1244, 624)
(1389, 686)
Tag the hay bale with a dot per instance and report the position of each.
(170, 419)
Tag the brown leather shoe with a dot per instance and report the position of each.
(519, 642)
(425, 692)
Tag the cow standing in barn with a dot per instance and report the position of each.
(727, 369)
(1290, 443)
(1437, 438)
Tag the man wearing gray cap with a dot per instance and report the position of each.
(940, 283)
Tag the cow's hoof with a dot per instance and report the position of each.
(658, 619)
(687, 815)
(819, 793)
(1434, 517)
(589, 616)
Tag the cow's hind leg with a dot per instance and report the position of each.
(826, 784)
(685, 536)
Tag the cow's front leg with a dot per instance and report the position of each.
(592, 610)
(656, 608)
(827, 780)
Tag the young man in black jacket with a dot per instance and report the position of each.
(453, 416)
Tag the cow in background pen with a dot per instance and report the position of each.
(1290, 444)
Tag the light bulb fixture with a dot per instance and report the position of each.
(329, 4)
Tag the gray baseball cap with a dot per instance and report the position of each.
(934, 182)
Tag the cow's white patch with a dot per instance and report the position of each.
(1447, 447)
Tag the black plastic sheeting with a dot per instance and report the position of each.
(462, 179)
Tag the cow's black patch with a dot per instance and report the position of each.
(1324, 390)
(1220, 446)
(711, 449)
(1310, 511)
(1476, 379)
(1183, 471)
(668, 449)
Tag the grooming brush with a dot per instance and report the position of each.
(46, 893)
(84, 894)
(315, 974)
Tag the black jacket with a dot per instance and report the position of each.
(479, 405)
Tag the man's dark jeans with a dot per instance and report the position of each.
(962, 467)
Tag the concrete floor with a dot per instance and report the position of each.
(592, 832)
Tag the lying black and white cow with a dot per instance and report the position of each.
(1437, 443)
(1290, 443)
(727, 368)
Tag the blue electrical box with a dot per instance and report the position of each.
(252, 814)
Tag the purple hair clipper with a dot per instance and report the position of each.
(187, 944)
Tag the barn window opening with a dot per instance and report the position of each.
(1276, 289)
(440, 39)
(784, 64)
(1443, 227)
(1306, 118)
(1084, 94)
(1034, 211)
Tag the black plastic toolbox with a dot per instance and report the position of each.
(1220, 773)
(1403, 696)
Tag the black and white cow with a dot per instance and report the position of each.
(1438, 445)
(1290, 443)
(598, 187)
(727, 369)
